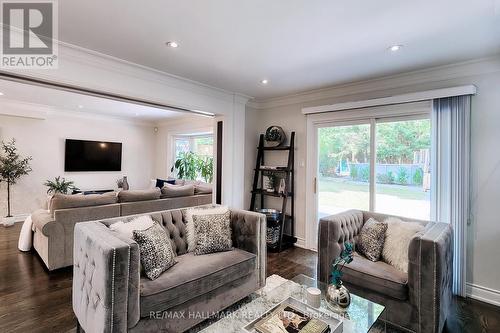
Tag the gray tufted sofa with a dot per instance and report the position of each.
(111, 295)
(419, 300)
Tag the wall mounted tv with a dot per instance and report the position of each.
(92, 156)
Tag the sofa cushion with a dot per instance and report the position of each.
(193, 276)
(172, 191)
(376, 276)
(139, 195)
(63, 201)
(212, 233)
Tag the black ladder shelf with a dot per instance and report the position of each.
(286, 220)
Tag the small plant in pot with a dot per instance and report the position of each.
(337, 294)
(60, 185)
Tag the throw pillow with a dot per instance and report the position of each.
(155, 249)
(126, 228)
(161, 182)
(172, 191)
(213, 233)
(397, 242)
(188, 218)
(202, 188)
(371, 239)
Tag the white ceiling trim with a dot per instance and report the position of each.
(433, 74)
(391, 100)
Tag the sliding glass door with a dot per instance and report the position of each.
(396, 180)
(343, 168)
(402, 170)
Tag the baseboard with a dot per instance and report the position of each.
(15, 218)
(483, 294)
(301, 242)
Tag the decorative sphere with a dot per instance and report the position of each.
(338, 296)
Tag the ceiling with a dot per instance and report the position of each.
(297, 45)
(52, 99)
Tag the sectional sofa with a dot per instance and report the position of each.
(53, 228)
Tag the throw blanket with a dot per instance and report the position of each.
(26, 236)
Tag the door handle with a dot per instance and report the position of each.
(315, 185)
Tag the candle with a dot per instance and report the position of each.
(313, 297)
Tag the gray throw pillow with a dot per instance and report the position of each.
(172, 191)
(213, 233)
(371, 239)
(155, 249)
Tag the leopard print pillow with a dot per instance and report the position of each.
(212, 233)
(370, 242)
(155, 250)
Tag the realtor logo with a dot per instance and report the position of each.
(28, 34)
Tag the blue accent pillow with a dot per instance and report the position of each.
(161, 182)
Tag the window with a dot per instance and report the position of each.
(201, 145)
(395, 181)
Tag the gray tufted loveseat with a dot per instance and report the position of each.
(419, 300)
(111, 295)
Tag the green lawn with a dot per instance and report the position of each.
(337, 185)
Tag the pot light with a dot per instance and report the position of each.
(1, 93)
(80, 106)
(395, 48)
(264, 81)
(172, 44)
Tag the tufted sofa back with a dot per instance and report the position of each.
(172, 220)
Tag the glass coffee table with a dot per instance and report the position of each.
(359, 317)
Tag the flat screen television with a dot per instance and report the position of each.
(83, 155)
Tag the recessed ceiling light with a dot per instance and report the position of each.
(264, 81)
(1, 93)
(80, 106)
(172, 44)
(395, 48)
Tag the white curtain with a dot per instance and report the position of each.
(450, 165)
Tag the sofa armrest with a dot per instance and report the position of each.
(333, 231)
(430, 275)
(249, 234)
(104, 272)
(44, 221)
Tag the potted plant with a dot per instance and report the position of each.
(191, 166)
(59, 185)
(12, 168)
(337, 294)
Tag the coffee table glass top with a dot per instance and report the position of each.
(360, 315)
(359, 318)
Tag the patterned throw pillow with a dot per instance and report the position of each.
(156, 251)
(371, 239)
(188, 218)
(213, 233)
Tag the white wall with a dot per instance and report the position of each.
(484, 232)
(44, 140)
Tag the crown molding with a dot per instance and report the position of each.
(118, 65)
(432, 74)
(21, 109)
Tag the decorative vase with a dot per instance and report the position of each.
(125, 183)
(274, 136)
(338, 297)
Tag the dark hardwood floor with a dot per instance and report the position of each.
(35, 300)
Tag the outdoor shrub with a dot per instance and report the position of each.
(353, 172)
(387, 178)
(418, 177)
(402, 176)
(364, 174)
